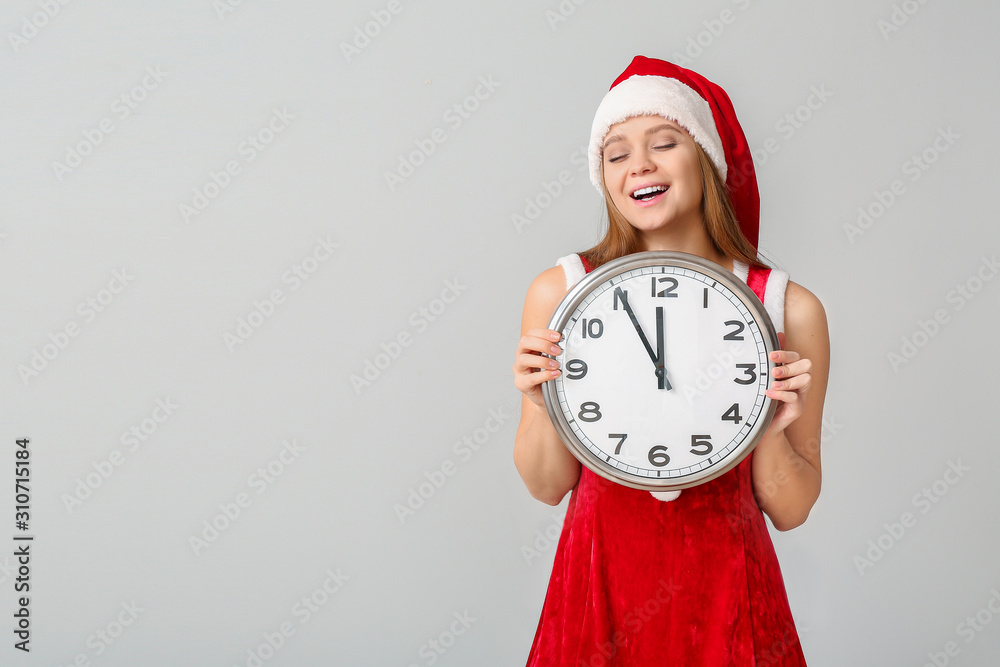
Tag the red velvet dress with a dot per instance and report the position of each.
(638, 582)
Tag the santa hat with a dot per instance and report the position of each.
(656, 87)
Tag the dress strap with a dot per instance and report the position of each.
(740, 269)
(573, 268)
(770, 282)
(777, 281)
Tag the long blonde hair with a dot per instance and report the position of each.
(723, 228)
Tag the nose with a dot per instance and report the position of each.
(641, 162)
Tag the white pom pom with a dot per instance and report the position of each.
(665, 496)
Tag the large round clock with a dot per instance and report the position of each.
(665, 362)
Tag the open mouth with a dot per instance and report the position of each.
(645, 194)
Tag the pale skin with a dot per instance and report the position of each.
(649, 150)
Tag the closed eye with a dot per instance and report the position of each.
(619, 158)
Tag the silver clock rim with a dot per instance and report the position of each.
(639, 260)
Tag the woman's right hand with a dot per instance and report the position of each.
(531, 369)
(548, 469)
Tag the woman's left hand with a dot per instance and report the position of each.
(789, 387)
(786, 462)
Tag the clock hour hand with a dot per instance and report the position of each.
(661, 369)
(655, 356)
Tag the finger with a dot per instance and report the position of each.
(785, 356)
(531, 381)
(528, 363)
(789, 398)
(781, 339)
(792, 369)
(796, 383)
(548, 334)
(538, 344)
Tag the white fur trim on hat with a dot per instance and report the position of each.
(655, 96)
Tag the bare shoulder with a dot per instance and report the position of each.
(544, 295)
(549, 283)
(804, 313)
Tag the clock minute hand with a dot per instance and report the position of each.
(657, 356)
(635, 323)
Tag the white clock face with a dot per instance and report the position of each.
(664, 369)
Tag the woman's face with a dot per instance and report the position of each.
(652, 173)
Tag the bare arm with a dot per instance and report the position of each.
(548, 469)
(786, 464)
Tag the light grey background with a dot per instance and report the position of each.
(893, 77)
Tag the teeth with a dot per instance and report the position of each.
(645, 191)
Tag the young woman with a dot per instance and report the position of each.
(639, 581)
